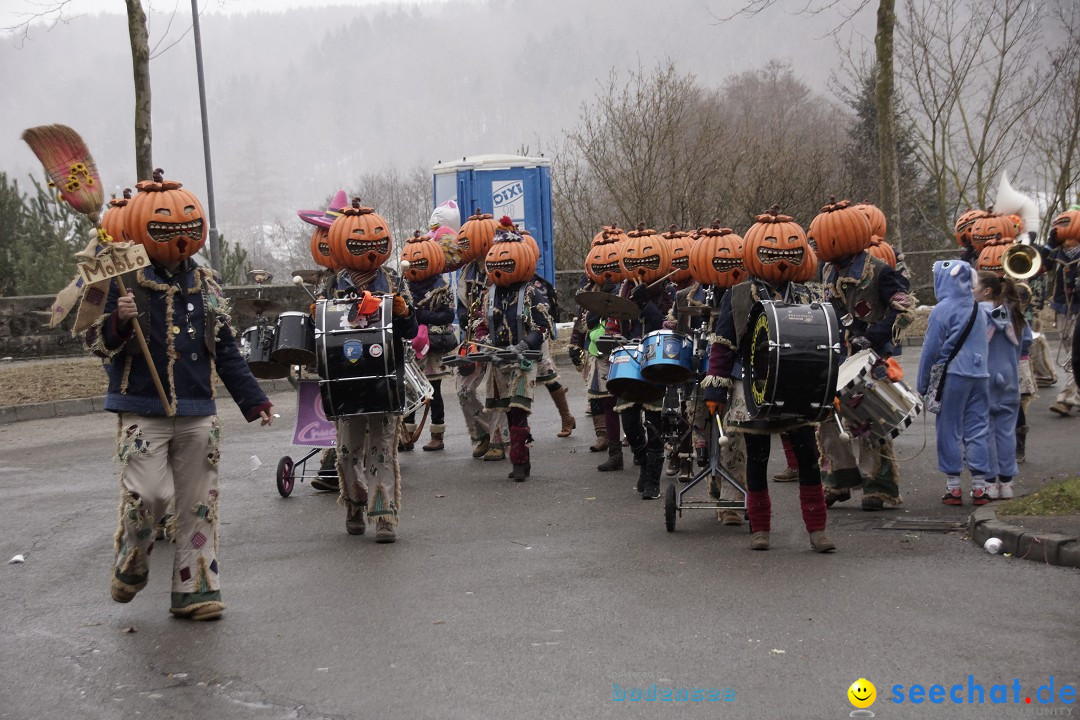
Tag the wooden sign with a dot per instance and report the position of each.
(113, 262)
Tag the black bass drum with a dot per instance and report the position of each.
(791, 360)
(361, 363)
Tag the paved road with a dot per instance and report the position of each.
(511, 600)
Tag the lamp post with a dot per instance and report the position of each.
(215, 248)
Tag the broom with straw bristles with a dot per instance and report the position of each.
(71, 169)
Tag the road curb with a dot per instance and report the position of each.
(1049, 548)
(85, 406)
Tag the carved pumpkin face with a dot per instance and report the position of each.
(603, 265)
(425, 257)
(875, 217)
(476, 235)
(112, 222)
(990, 228)
(509, 262)
(717, 258)
(320, 247)
(360, 238)
(1066, 226)
(645, 256)
(882, 251)
(962, 229)
(990, 256)
(808, 269)
(166, 219)
(839, 231)
(679, 245)
(776, 248)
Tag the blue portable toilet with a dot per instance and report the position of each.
(511, 185)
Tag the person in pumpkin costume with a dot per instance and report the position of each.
(435, 315)
(487, 429)
(603, 273)
(170, 453)
(874, 302)
(1062, 259)
(775, 253)
(367, 450)
(512, 315)
(645, 261)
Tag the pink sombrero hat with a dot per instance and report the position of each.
(326, 218)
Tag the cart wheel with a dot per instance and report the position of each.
(285, 479)
(669, 507)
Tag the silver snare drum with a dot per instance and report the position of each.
(870, 402)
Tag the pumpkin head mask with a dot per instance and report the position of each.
(425, 257)
(360, 238)
(166, 219)
(679, 245)
(112, 222)
(646, 256)
(320, 247)
(990, 256)
(990, 228)
(510, 259)
(839, 231)
(602, 264)
(717, 258)
(476, 235)
(776, 248)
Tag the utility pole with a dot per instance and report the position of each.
(215, 248)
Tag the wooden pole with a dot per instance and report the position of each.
(146, 355)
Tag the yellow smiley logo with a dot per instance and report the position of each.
(862, 693)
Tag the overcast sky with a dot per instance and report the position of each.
(13, 12)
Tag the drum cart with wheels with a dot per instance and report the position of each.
(313, 430)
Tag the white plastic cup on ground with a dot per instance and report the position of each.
(992, 545)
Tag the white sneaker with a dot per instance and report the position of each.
(993, 490)
(1006, 492)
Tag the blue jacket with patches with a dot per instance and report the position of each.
(184, 319)
(953, 284)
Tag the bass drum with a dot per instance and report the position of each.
(791, 360)
(256, 344)
(361, 365)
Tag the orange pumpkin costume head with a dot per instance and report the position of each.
(717, 258)
(646, 256)
(776, 250)
(840, 230)
(425, 257)
(476, 235)
(510, 259)
(602, 264)
(360, 238)
(166, 219)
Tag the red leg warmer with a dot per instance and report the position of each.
(812, 501)
(759, 508)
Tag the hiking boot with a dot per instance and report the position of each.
(520, 472)
(600, 428)
(614, 460)
(760, 540)
(355, 520)
(481, 447)
(1061, 408)
(494, 454)
(952, 496)
(436, 443)
(209, 610)
(820, 543)
(384, 531)
(791, 474)
(835, 495)
(979, 496)
(1005, 491)
(729, 517)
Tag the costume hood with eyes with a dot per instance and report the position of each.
(954, 281)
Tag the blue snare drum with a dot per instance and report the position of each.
(667, 357)
(624, 379)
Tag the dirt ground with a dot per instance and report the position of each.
(42, 381)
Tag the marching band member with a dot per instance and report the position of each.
(512, 315)
(367, 451)
(547, 373)
(1064, 262)
(171, 453)
(487, 429)
(775, 253)
(873, 303)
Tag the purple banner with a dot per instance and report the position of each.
(312, 427)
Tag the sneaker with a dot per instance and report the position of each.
(952, 496)
(979, 496)
(384, 531)
(1061, 408)
(993, 490)
(1006, 491)
(494, 454)
(791, 474)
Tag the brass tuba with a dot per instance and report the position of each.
(1021, 262)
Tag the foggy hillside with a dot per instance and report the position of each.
(302, 101)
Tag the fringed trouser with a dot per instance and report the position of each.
(478, 419)
(367, 457)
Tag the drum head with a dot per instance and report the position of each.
(858, 364)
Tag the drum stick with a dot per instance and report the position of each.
(654, 283)
(723, 439)
(146, 355)
(299, 281)
(844, 434)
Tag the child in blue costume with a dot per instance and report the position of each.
(962, 426)
(1009, 340)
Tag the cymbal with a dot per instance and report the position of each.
(698, 310)
(606, 304)
(258, 306)
(311, 276)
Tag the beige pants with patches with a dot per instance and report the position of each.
(478, 419)
(367, 464)
(162, 459)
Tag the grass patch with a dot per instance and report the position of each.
(1061, 498)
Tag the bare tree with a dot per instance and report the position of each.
(973, 75)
